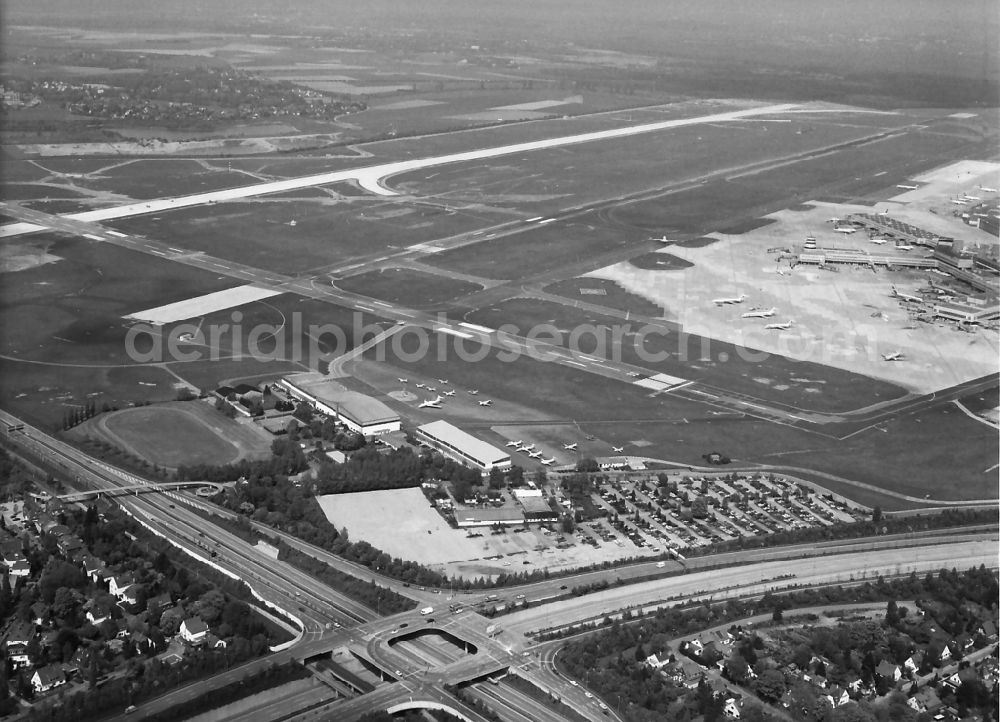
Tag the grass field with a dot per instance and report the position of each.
(169, 436)
(769, 377)
(259, 232)
(602, 292)
(407, 287)
(45, 393)
(71, 311)
(538, 250)
(286, 327)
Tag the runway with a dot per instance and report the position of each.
(372, 178)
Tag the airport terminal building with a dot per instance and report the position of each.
(355, 410)
(462, 447)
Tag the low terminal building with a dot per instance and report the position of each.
(462, 447)
(357, 411)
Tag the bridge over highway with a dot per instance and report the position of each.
(202, 488)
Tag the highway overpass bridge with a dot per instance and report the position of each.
(202, 488)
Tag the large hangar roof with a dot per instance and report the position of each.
(477, 449)
(363, 409)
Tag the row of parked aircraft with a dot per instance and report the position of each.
(530, 450)
(436, 402)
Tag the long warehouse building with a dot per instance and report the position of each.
(462, 447)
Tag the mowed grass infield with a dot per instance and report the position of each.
(169, 436)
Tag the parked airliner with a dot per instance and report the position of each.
(514, 443)
(434, 403)
(845, 229)
(548, 461)
(618, 449)
(894, 356)
(569, 447)
(779, 326)
(723, 301)
(487, 402)
(761, 313)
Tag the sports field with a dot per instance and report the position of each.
(169, 436)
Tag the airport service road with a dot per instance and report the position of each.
(756, 579)
(372, 177)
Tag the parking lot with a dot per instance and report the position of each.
(682, 512)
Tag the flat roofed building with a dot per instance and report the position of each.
(536, 508)
(357, 411)
(489, 517)
(462, 447)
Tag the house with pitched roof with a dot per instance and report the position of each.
(193, 630)
(48, 677)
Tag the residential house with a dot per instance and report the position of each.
(989, 630)
(21, 633)
(69, 544)
(654, 662)
(12, 551)
(159, 602)
(837, 696)
(98, 613)
(731, 708)
(20, 568)
(888, 670)
(59, 530)
(954, 682)
(40, 613)
(925, 700)
(92, 566)
(118, 584)
(913, 662)
(193, 630)
(48, 677)
(123, 632)
(18, 638)
(213, 642)
(131, 594)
